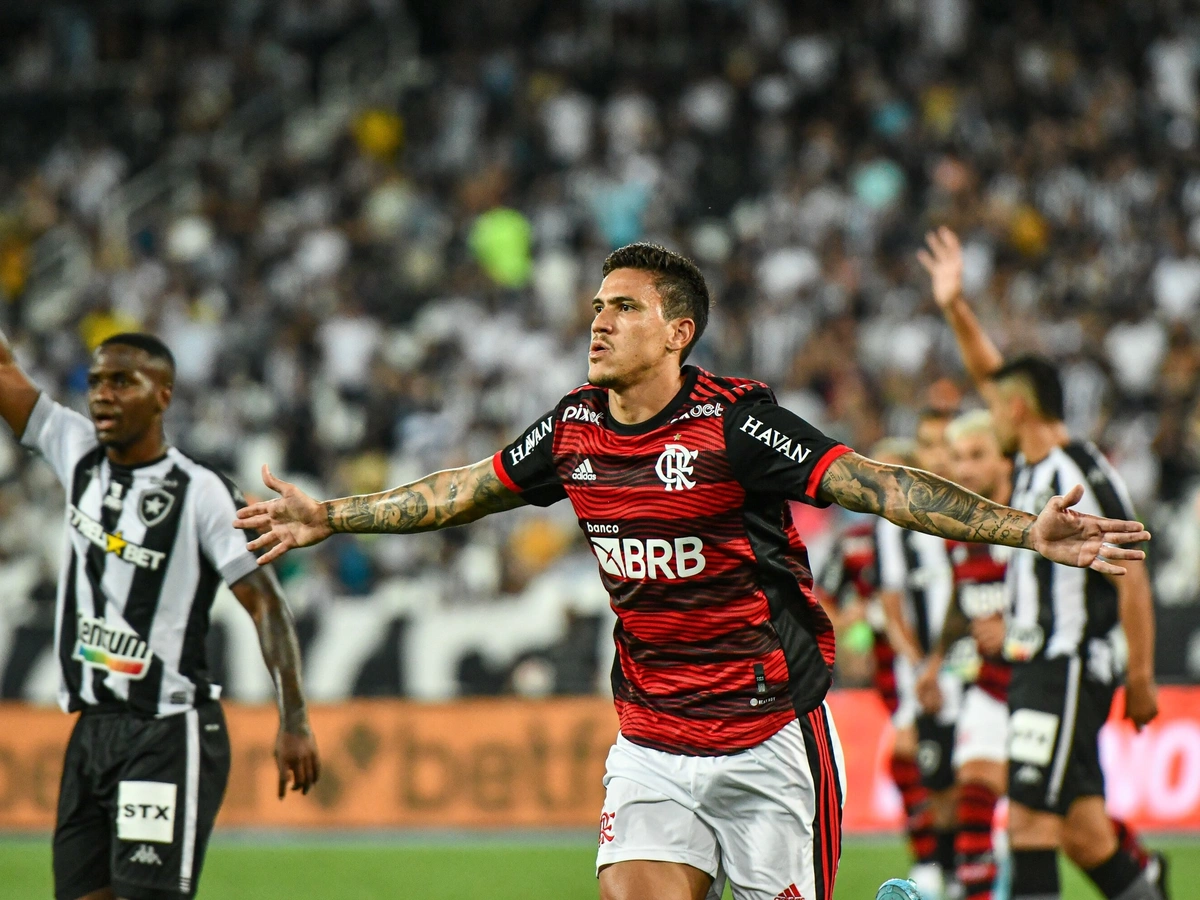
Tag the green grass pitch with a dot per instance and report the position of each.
(523, 869)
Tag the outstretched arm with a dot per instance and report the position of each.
(18, 394)
(441, 500)
(295, 748)
(921, 501)
(944, 262)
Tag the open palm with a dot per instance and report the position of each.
(294, 519)
(1071, 538)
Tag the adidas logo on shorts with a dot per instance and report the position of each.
(584, 472)
(791, 892)
(145, 854)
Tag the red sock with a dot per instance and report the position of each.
(975, 861)
(917, 812)
(1128, 840)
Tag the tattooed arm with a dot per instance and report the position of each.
(441, 500)
(295, 748)
(921, 501)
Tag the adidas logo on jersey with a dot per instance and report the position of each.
(584, 472)
(146, 856)
(791, 892)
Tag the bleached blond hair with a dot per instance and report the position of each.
(977, 421)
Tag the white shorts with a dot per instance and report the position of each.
(982, 732)
(768, 819)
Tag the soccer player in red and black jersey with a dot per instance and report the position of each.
(727, 764)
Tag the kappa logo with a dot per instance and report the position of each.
(674, 467)
(791, 892)
(154, 506)
(584, 472)
(651, 559)
(1028, 775)
(146, 856)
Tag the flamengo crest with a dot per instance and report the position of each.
(154, 506)
(674, 467)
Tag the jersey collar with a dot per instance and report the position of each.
(664, 415)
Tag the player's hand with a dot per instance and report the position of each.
(943, 260)
(293, 520)
(296, 756)
(929, 692)
(1070, 538)
(989, 634)
(1141, 702)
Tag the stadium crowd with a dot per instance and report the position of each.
(384, 288)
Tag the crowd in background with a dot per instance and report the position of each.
(387, 287)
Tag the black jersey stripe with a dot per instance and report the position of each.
(917, 593)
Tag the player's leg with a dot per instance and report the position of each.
(170, 788)
(82, 828)
(980, 752)
(898, 688)
(1089, 838)
(777, 813)
(1153, 862)
(652, 843)
(1034, 837)
(639, 878)
(935, 749)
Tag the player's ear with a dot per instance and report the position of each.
(163, 394)
(681, 333)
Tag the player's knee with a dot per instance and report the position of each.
(985, 772)
(1030, 829)
(1088, 835)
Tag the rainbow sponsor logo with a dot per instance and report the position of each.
(100, 645)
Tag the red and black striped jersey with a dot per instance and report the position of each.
(720, 639)
(851, 570)
(979, 592)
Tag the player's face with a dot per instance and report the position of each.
(977, 463)
(1006, 412)
(631, 336)
(127, 392)
(932, 453)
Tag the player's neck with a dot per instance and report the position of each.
(148, 448)
(639, 402)
(1039, 439)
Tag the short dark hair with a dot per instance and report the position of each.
(1042, 378)
(153, 347)
(676, 278)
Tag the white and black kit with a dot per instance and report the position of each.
(1064, 639)
(145, 549)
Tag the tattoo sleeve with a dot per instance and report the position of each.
(261, 595)
(921, 501)
(441, 500)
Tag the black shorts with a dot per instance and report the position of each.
(137, 803)
(935, 752)
(1056, 713)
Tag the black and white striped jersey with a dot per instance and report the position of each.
(1058, 610)
(917, 565)
(144, 552)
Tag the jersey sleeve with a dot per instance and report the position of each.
(59, 435)
(225, 546)
(773, 451)
(526, 466)
(889, 543)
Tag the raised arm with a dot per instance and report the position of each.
(943, 260)
(295, 748)
(441, 500)
(921, 501)
(17, 393)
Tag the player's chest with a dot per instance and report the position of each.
(129, 520)
(653, 474)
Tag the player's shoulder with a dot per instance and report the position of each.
(1099, 476)
(731, 389)
(207, 478)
